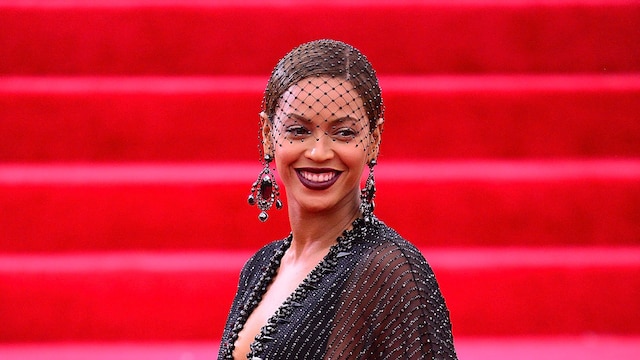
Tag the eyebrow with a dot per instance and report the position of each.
(295, 116)
(337, 120)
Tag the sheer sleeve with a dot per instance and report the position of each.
(391, 308)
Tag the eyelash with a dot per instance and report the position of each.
(346, 133)
(299, 132)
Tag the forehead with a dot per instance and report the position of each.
(327, 97)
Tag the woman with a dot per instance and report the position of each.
(342, 285)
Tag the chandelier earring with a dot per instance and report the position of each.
(264, 191)
(368, 194)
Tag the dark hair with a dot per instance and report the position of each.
(329, 58)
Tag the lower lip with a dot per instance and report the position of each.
(317, 185)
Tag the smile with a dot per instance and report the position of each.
(317, 179)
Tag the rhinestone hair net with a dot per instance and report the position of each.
(323, 89)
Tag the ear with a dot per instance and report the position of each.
(267, 134)
(376, 137)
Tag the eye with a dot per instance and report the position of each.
(345, 133)
(297, 131)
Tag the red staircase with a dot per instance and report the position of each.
(511, 157)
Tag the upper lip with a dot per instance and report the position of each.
(317, 178)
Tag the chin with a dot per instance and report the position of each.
(316, 207)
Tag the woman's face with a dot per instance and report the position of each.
(321, 140)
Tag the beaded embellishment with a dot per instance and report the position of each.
(327, 265)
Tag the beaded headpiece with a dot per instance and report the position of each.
(326, 59)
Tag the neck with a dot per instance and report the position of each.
(314, 233)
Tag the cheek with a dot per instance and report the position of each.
(285, 155)
(354, 157)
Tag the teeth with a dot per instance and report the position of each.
(323, 177)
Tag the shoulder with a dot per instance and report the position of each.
(398, 270)
(386, 243)
(395, 262)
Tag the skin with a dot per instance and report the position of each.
(321, 144)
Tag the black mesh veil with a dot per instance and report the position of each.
(324, 79)
(326, 58)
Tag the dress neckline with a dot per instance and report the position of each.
(328, 264)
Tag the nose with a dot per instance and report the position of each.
(320, 149)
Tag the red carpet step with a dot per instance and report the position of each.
(198, 37)
(529, 348)
(177, 296)
(119, 207)
(215, 118)
(129, 145)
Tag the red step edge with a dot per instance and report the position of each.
(252, 84)
(206, 173)
(57, 4)
(232, 261)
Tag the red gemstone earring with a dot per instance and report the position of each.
(265, 191)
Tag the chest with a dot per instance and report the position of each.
(282, 286)
(293, 317)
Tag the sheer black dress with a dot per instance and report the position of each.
(372, 297)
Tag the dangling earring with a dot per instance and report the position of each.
(265, 191)
(368, 194)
